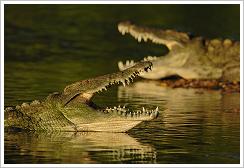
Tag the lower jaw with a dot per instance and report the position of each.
(108, 126)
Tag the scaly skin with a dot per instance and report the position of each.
(73, 110)
(189, 58)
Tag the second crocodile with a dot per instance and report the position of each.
(189, 58)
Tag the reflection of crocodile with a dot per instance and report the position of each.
(81, 147)
(190, 58)
(73, 110)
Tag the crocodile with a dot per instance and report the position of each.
(73, 108)
(188, 57)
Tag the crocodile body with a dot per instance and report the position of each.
(73, 109)
(189, 58)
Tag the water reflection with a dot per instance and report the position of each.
(180, 106)
(194, 126)
(68, 147)
(178, 99)
(45, 50)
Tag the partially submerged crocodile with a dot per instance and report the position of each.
(189, 58)
(73, 110)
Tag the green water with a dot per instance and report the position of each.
(50, 46)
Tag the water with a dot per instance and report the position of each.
(48, 47)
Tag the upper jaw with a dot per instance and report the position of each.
(124, 77)
(169, 38)
(85, 89)
(139, 33)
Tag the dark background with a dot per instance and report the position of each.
(50, 46)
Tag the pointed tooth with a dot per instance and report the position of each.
(121, 65)
(143, 109)
(123, 84)
(120, 112)
(144, 38)
(156, 110)
(127, 63)
(128, 82)
(139, 39)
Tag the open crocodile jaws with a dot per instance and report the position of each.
(73, 110)
(190, 58)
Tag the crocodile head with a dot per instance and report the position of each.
(190, 58)
(73, 109)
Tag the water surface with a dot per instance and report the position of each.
(50, 46)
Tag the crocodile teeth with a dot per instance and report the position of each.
(126, 113)
(123, 84)
(131, 63)
(120, 65)
(150, 58)
(123, 30)
(129, 78)
(139, 35)
(144, 38)
(127, 63)
(139, 39)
